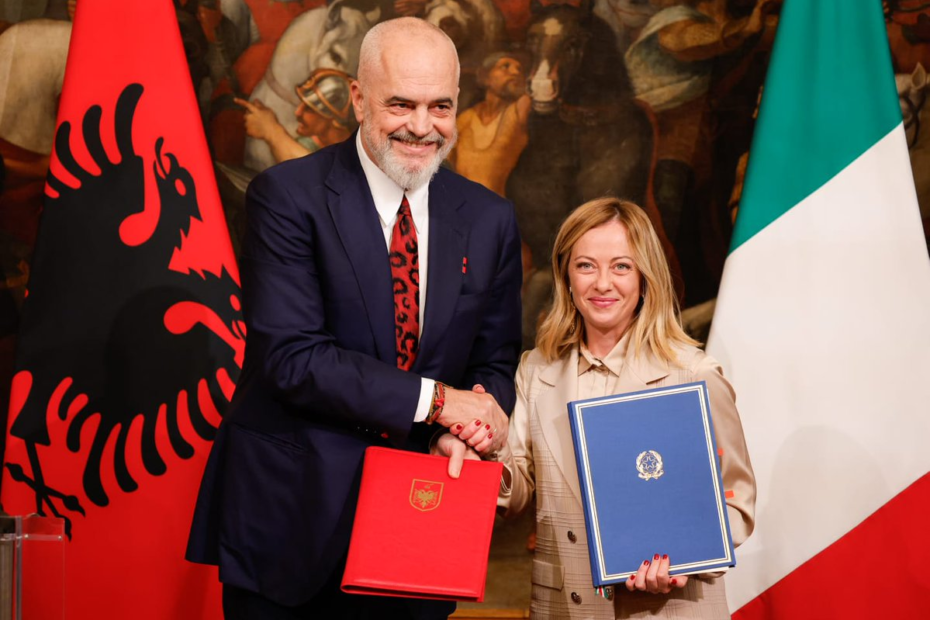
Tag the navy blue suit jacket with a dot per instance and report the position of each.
(320, 384)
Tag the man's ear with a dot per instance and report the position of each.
(355, 91)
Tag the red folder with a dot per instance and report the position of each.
(418, 532)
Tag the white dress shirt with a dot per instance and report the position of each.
(387, 196)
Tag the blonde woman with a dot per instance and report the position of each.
(613, 328)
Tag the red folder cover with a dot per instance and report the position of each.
(418, 532)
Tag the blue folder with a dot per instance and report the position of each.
(650, 482)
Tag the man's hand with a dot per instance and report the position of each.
(260, 121)
(456, 450)
(476, 417)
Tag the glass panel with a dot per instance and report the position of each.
(32, 568)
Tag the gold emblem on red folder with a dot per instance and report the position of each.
(649, 465)
(425, 495)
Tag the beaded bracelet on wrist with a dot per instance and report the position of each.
(438, 402)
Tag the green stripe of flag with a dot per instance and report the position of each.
(829, 96)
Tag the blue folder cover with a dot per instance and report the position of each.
(650, 482)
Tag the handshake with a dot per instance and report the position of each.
(476, 426)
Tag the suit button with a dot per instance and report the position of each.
(576, 599)
(571, 536)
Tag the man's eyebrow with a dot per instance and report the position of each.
(397, 99)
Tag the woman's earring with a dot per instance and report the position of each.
(570, 291)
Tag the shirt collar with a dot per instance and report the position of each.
(613, 361)
(386, 193)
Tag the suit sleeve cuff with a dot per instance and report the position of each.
(426, 397)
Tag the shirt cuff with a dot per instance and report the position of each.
(426, 398)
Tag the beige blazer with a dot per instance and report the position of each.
(540, 457)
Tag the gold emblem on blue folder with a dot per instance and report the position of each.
(649, 465)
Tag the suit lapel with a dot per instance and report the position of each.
(356, 219)
(552, 409)
(448, 238)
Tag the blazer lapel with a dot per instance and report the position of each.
(552, 408)
(353, 211)
(448, 237)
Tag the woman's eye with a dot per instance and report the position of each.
(622, 267)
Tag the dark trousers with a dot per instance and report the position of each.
(331, 603)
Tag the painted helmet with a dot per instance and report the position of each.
(326, 92)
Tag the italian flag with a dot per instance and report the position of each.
(823, 326)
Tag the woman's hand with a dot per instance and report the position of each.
(653, 577)
(478, 435)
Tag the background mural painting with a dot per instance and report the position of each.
(653, 100)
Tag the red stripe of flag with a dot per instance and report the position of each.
(877, 570)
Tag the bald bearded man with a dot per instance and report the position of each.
(378, 291)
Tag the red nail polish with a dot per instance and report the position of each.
(655, 557)
(487, 427)
(674, 582)
(632, 578)
(645, 562)
(490, 435)
(477, 422)
(665, 556)
(458, 427)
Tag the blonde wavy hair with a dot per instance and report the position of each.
(656, 326)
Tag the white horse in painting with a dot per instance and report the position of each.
(325, 37)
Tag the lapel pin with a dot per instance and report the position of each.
(464, 264)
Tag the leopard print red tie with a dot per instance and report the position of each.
(405, 270)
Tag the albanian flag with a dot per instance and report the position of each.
(131, 339)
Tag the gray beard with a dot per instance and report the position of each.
(394, 168)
